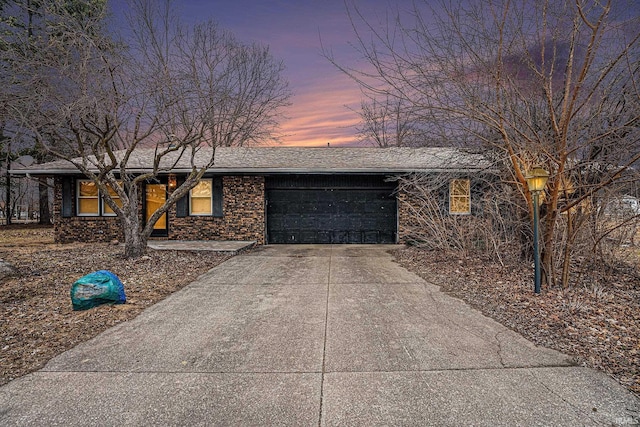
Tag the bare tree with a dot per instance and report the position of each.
(387, 123)
(180, 91)
(551, 83)
(20, 22)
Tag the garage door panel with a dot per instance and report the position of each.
(355, 237)
(281, 196)
(372, 223)
(310, 222)
(276, 222)
(277, 237)
(378, 207)
(357, 208)
(387, 237)
(357, 223)
(289, 223)
(371, 237)
(331, 208)
(323, 237)
(302, 207)
(331, 215)
(340, 237)
(308, 236)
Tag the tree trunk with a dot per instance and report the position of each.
(135, 242)
(7, 201)
(571, 233)
(43, 201)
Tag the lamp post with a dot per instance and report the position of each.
(536, 180)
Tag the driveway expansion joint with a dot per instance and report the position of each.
(324, 341)
(441, 370)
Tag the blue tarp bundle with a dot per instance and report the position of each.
(101, 287)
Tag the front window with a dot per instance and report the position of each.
(460, 197)
(88, 198)
(201, 198)
(106, 210)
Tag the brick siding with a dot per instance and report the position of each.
(406, 220)
(243, 214)
(81, 228)
(243, 217)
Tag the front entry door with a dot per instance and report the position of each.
(156, 195)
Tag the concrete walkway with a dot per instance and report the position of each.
(308, 336)
(228, 247)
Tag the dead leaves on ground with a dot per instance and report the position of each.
(36, 318)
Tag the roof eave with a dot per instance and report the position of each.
(266, 171)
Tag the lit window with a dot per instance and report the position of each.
(459, 197)
(106, 210)
(201, 198)
(88, 200)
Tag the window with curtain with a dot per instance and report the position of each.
(460, 197)
(201, 198)
(88, 198)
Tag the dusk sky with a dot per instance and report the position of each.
(293, 30)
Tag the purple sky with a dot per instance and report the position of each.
(293, 29)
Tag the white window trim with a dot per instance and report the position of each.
(458, 196)
(104, 212)
(78, 198)
(210, 200)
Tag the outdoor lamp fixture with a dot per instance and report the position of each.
(172, 181)
(536, 180)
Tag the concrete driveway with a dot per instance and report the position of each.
(308, 336)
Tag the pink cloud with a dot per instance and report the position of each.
(320, 112)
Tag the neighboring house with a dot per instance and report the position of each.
(623, 206)
(270, 195)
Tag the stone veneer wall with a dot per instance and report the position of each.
(81, 228)
(243, 217)
(406, 221)
(243, 214)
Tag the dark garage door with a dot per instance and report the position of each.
(329, 209)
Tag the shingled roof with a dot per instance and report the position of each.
(274, 160)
